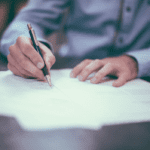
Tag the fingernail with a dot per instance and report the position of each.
(72, 75)
(80, 77)
(39, 65)
(93, 80)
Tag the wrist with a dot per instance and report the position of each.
(132, 63)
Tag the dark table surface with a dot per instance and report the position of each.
(135, 136)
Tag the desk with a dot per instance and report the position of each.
(133, 136)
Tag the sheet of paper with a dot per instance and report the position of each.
(107, 104)
(38, 106)
(71, 103)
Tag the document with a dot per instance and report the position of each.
(72, 103)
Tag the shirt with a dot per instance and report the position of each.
(95, 28)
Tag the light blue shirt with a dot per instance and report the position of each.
(94, 28)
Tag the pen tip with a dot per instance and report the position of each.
(48, 78)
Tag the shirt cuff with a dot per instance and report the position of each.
(143, 60)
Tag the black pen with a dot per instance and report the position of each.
(37, 48)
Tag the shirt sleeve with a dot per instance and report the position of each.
(44, 16)
(143, 59)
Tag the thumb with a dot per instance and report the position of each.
(122, 79)
(48, 56)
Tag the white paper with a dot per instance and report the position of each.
(71, 103)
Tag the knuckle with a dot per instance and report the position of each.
(110, 65)
(101, 74)
(87, 60)
(96, 60)
(87, 69)
(19, 40)
(11, 48)
(23, 43)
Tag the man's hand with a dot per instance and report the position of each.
(124, 67)
(26, 62)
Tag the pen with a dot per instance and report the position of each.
(37, 48)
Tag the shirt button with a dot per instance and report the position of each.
(120, 39)
(128, 9)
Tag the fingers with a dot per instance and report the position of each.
(24, 63)
(12, 62)
(122, 79)
(13, 69)
(27, 61)
(77, 70)
(107, 69)
(49, 58)
(25, 45)
(104, 68)
(90, 68)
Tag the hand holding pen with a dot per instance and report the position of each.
(26, 62)
(37, 48)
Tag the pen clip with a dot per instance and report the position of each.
(33, 36)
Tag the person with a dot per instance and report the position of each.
(108, 37)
